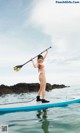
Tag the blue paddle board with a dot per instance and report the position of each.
(33, 105)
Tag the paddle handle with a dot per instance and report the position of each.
(36, 56)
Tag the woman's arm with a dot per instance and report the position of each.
(45, 54)
(34, 65)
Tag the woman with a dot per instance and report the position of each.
(42, 77)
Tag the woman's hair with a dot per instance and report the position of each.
(39, 56)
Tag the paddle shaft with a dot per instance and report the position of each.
(36, 56)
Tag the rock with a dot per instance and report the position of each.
(26, 87)
(58, 86)
(5, 90)
(48, 87)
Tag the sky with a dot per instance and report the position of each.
(27, 27)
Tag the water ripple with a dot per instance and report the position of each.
(55, 120)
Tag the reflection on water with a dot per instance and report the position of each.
(56, 120)
(42, 116)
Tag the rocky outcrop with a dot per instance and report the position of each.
(26, 87)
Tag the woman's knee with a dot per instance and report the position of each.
(43, 85)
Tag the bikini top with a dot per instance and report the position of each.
(40, 66)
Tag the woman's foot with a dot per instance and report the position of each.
(45, 101)
(38, 99)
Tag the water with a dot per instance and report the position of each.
(55, 120)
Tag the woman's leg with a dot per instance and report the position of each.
(40, 90)
(42, 80)
(43, 88)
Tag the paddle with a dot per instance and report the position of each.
(17, 68)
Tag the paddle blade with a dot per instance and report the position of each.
(17, 68)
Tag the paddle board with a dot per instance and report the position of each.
(33, 105)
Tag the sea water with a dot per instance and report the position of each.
(54, 120)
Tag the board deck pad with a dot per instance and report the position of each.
(33, 105)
